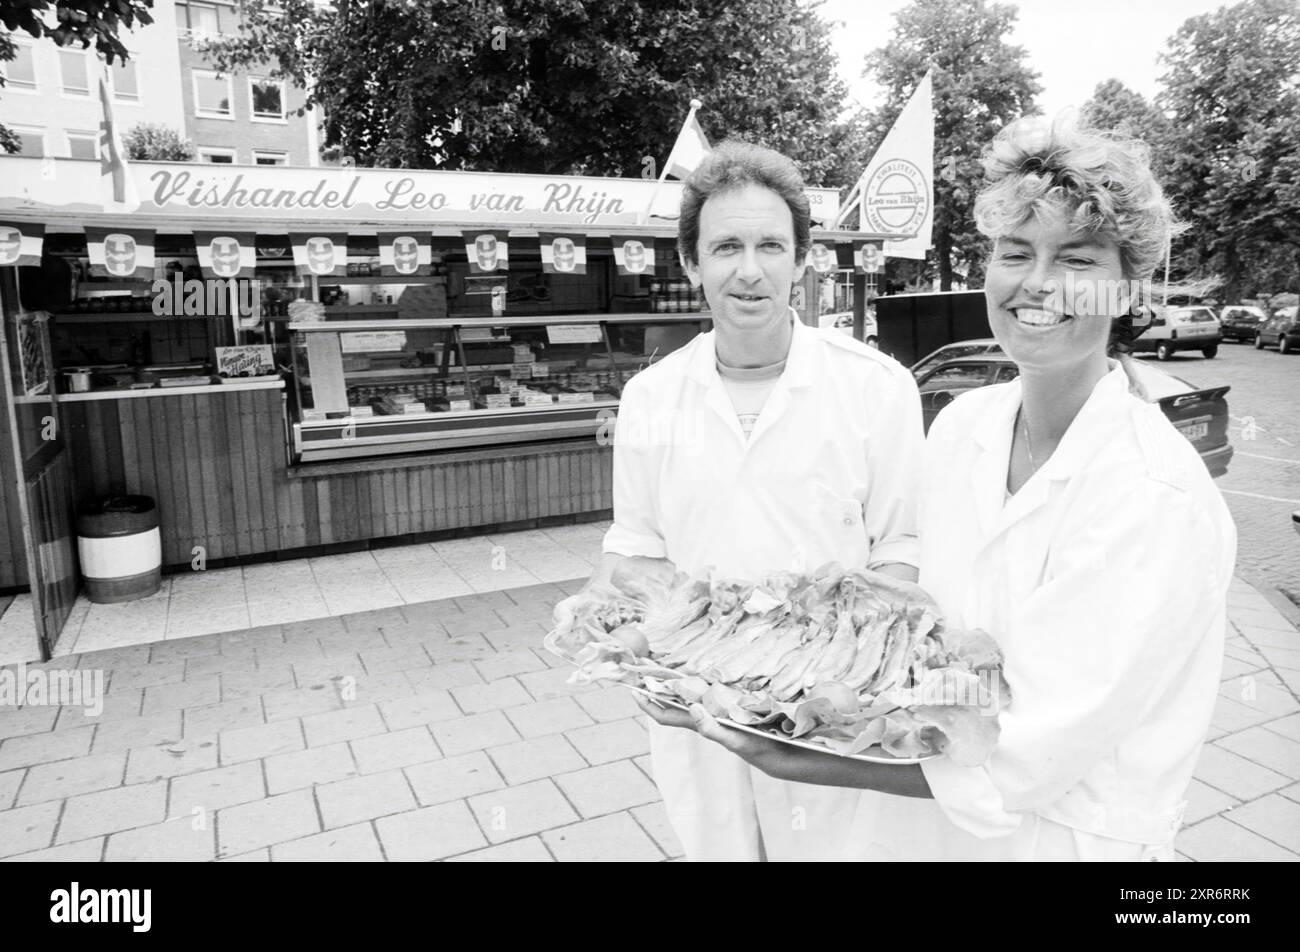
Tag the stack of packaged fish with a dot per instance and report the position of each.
(848, 659)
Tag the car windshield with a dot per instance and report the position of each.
(952, 352)
(1244, 314)
(956, 377)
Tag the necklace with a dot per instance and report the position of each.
(1029, 446)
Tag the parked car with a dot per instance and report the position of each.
(1241, 321)
(842, 321)
(965, 348)
(1282, 331)
(1181, 328)
(1200, 415)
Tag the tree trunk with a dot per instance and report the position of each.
(943, 254)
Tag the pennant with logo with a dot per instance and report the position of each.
(324, 254)
(488, 251)
(822, 257)
(895, 194)
(122, 253)
(563, 254)
(868, 258)
(634, 254)
(21, 245)
(405, 253)
(226, 254)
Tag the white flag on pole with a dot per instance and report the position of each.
(119, 191)
(690, 148)
(896, 191)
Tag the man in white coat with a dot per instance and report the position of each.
(760, 447)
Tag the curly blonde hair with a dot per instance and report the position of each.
(1101, 181)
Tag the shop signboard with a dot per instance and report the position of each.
(426, 197)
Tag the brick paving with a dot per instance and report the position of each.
(443, 731)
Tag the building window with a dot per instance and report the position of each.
(216, 155)
(270, 158)
(76, 77)
(32, 142)
(213, 96)
(126, 82)
(203, 18)
(267, 98)
(20, 72)
(83, 145)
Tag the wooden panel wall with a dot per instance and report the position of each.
(216, 464)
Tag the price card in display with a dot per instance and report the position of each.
(369, 341)
(574, 334)
(252, 360)
(457, 404)
(521, 372)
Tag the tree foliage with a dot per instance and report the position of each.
(155, 142)
(1116, 108)
(67, 22)
(555, 86)
(1231, 94)
(981, 83)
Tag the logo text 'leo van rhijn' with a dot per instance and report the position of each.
(77, 905)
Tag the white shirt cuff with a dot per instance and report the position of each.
(906, 549)
(969, 798)
(623, 541)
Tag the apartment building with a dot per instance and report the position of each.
(51, 94)
(246, 118)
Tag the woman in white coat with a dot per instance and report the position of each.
(1066, 516)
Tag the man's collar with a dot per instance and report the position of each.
(798, 359)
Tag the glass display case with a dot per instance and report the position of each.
(375, 387)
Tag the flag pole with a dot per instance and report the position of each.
(1169, 249)
(645, 216)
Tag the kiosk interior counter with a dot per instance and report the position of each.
(382, 387)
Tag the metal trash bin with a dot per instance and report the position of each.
(120, 548)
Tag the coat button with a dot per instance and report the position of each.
(848, 520)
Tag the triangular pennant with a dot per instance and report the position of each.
(226, 254)
(324, 254)
(822, 258)
(867, 257)
(634, 254)
(405, 253)
(122, 253)
(21, 244)
(563, 254)
(488, 251)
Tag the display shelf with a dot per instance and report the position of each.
(383, 279)
(345, 309)
(427, 323)
(89, 284)
(100, 317)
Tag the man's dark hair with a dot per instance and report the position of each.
(735, 164)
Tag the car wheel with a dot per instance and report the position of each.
(1259, 341)
(1163, 351)
(1283, 346)
(1210, 351)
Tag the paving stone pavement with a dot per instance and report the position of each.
(443, 731)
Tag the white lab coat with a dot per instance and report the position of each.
(829, 473)
(1104, 580)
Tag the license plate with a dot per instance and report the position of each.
(1194, 431)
